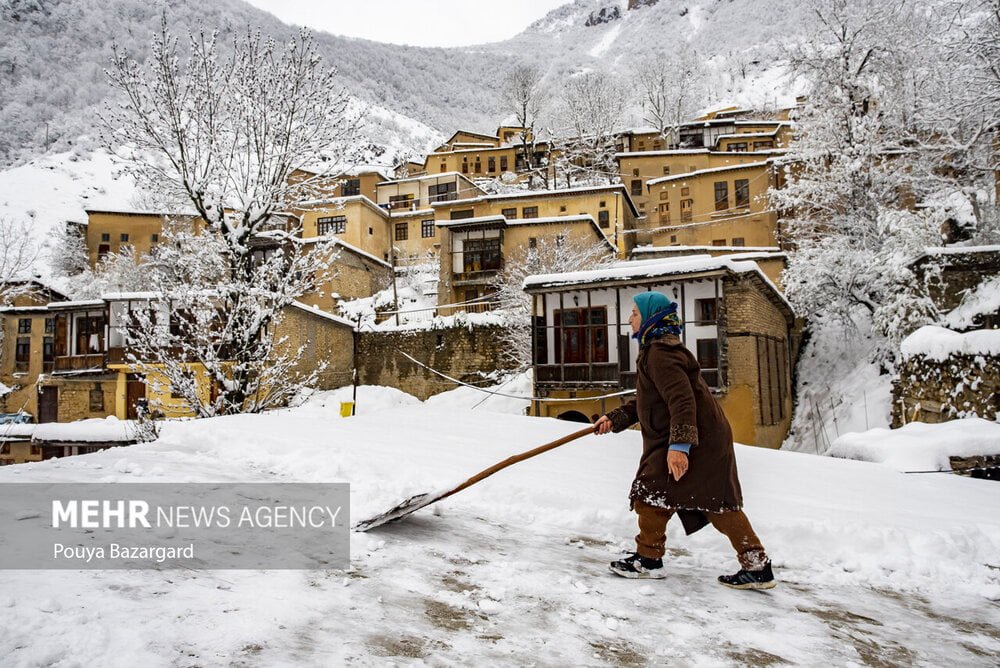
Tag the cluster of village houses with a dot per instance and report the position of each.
(688, 215)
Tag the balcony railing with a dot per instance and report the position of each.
(578, 374)
(81, 362)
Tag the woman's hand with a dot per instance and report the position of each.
(603, 425)
(677, 463)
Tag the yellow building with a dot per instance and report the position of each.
(357, 181)
(610, 206)
(111, 231)
(715, 206)
(357, 221)
(475, 250)
(736, 323)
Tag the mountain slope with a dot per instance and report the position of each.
(52, 55)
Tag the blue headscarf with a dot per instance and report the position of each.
(659, 317)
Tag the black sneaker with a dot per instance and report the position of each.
(762, 579)
(637, 566)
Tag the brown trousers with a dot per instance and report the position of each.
(652, 537)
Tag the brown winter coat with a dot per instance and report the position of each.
(674, 405)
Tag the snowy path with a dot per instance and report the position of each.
(877, 568)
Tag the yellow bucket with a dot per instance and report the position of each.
(346, 408)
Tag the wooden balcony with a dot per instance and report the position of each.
(81, 362)
(580, 375)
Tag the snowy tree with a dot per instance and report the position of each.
(551, 254)
(522, 95)
(225, 135)
(671, 89)
(68, 250)
(856, 170)
(592, 113)
(18, 252)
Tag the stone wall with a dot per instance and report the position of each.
(463, 352)
(932, 391)
(74, 396)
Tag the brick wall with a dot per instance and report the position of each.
(931, 391)
(465, 353)
(74, 396)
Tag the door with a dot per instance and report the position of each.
(48, 404)
(135, 392)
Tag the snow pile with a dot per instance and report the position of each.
(91, 430)
(938, 344)
(919, 446)
(416, 288)
(983, 300)
(370, 399)
(839, 390)
(518, 385)
(514, 569)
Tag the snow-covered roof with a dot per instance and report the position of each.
(637, 270)
(315, 310)
(41, 308)
(937, 343)
(346, 246)
(641, 250)
(741, 135)
(341, 201)
(83, 303)
(653, 154)
(957, 250)
(548, 220)
(648, 130)
(142, 212)
(426, 177)
(87, 431)
(710, 170)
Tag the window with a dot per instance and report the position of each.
(540, 341)
(478, 167)
(636, 187)
(48, 349)
(22, 354)
(331, 225)
(742, 189)
(105, 236)
(352, 187)
(154, 238)
(442, 192)
(707, 310)
(529, 212)
(427, 229)
(686, 205)
(371, 231)
(462, 214)
(481, 255)
(673, 238)
(562, 209)
(403, 201)
(718, 242)
(738, 147)
(664, 194)
(721, 195)
(763, 145)
(666, 170)
(604, 219)
(123, 237)
(581, 335)
(96, 400)
(708, 360)
(509, 214)
(50, 325)
(465, 165)
(560, 240)
(444, 167)
(739, 241)
(24, 325)
(685, 191)
(603, 204)
(635, 172)
(402, 231)
(503, 163)
(532, 242)
(491, 165)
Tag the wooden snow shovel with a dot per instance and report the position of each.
(415, 503)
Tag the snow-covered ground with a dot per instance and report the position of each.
(876, 567)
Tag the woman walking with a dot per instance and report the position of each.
(688, 465)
